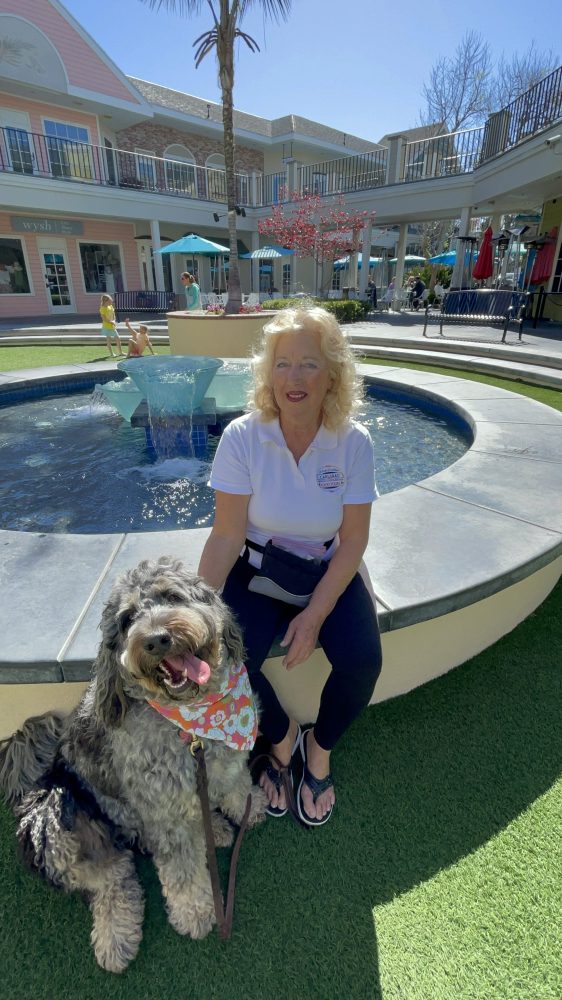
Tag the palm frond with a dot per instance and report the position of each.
(250, 42)
(277, 10)
(181, 7)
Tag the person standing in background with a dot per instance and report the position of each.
(192, 292)
(109, 325)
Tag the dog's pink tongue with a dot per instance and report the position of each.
(197, 670)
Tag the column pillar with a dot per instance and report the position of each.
(365, 257)
(458, 269)
(158, 267)
(399, 273)
(394, 158)
(255, 264)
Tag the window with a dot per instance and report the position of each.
(180, 170)
(101, 267)
(286, 278)
(145, 164)
(69, 152)
(13, 270)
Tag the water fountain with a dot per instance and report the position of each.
(177, 398)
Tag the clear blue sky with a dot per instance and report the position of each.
(357, 65)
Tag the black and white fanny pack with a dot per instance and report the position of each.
(285, 576)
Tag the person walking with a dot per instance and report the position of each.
(192, 291)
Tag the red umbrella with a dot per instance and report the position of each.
(484, 266)
(544, 259)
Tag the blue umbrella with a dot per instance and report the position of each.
(267, 253)
(449, 257)
(192, 245)
(343, 262)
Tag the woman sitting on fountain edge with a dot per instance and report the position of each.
(297, 469)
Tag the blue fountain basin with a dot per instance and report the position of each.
(230, 386)
(124, 396)
(174, 384)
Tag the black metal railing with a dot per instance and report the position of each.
(31, 153)
(533, 111)
(272, 189)
(442, 155)
(348, 173)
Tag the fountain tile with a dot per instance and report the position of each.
(49, 580)
(522, 487)
(434, 554)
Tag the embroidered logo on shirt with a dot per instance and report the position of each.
(329, 477)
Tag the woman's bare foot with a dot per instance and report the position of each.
(283, 752)
(318, 761)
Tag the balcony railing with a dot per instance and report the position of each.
(442, 155)
(348, 173)
(32, 154)
(39, 155)
(272, 189)
(533, 111)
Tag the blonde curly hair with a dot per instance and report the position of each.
(345, 392)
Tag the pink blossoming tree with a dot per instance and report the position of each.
(312, 228)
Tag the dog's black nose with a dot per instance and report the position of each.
(157, 644)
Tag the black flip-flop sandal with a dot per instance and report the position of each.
(276, 778)
(316, 785)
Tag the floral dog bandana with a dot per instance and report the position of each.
(228, 715)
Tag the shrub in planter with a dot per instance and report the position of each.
(345, 310)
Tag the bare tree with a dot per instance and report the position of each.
(519, 73)
(458, 90)
(227, 15)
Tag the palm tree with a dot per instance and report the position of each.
(227, 15)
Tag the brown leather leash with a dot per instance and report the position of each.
(224, 918)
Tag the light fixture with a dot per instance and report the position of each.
(237, 209)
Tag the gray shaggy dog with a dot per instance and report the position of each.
(115, 772)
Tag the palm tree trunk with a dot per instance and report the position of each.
(225, 52)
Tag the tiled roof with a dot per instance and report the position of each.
(175, 100)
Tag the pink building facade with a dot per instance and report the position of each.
(99, 171)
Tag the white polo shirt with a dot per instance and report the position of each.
(290, 501)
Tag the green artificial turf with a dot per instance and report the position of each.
(438, 877)
(45, 355)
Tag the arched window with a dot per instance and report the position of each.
(180, 170)
(216, 177)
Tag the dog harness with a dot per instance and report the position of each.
(228, 715)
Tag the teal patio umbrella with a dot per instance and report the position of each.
(448, 257)
(343, 262)
(410, 259)
(193, 246)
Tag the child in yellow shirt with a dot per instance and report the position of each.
(109, 325)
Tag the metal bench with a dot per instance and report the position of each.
(482, 307)
(145, 301)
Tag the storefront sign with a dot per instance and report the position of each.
(23, 224)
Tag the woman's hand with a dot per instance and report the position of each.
(301, 637)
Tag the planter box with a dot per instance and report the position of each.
(215, 336)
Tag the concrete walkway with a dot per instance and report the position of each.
(536, 358)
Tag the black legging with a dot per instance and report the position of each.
(349, 637)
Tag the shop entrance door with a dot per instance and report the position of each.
(57, 276)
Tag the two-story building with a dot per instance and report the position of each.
(99, 171)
